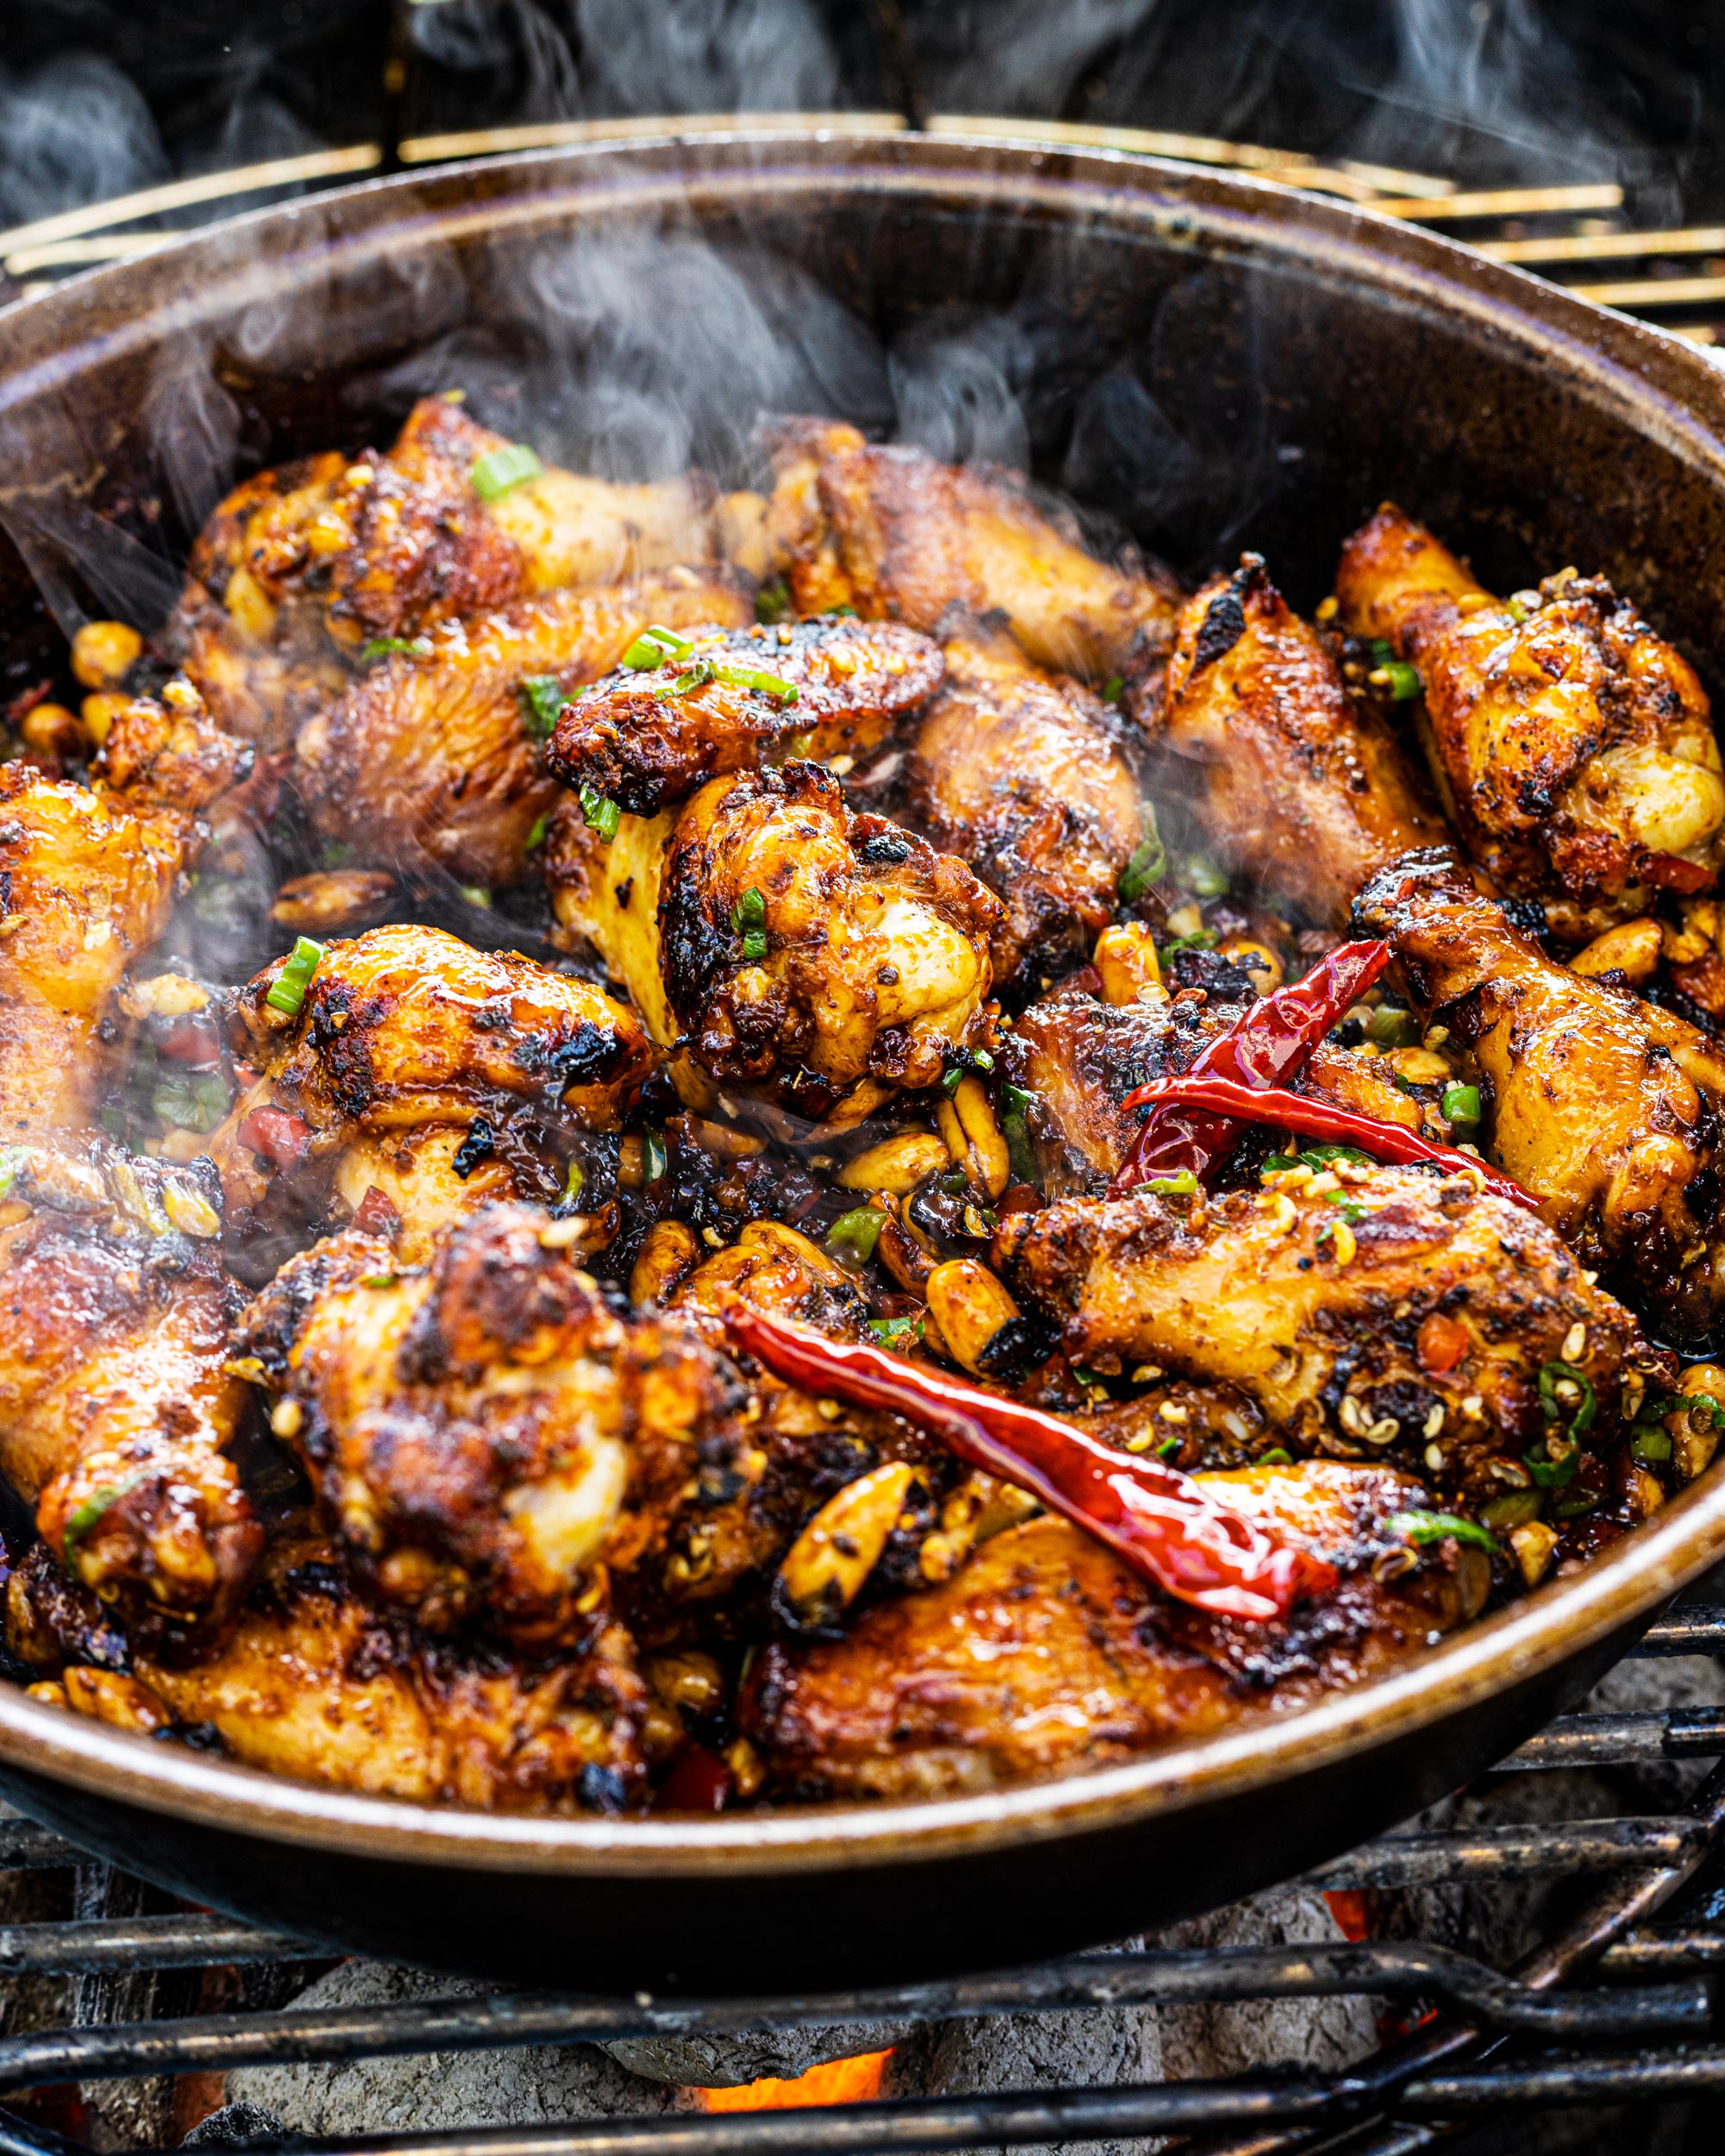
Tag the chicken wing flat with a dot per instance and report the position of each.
(1308, 791)
(1045, 1652)
(1024, 776)
(1606, 1108)
(648, 739)
(439, 1076)
(814, 958)
(1574, 746)
(489, 1435)
(301, 567)
(433, 754)
(901, 537)
(1366, 1309)
(320, 1682)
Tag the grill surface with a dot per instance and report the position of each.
(1616, 2007)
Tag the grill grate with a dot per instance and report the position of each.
(1612, 2008)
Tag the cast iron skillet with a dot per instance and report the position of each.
(1235, 366)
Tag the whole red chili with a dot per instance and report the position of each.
(1159, 1521)
(1323, 1119)
(1267, 1044)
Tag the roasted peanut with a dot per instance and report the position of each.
(51, 730)
(1258, 960)
(669, 1253)
(825, 1568)
(692, 1680)
(1644, 1492)
(896, 1164)
(99, 712)
(315, 905)
(723, 1140)
(904, 1250)
(970, 1306)
(973, 1137)
(1631, 948)
(104, 653)
(1126, 958)
(1419, 1066)
(1534, 1543)
(1703, 1377)
(163, 995)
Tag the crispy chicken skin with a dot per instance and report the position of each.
(431, 757)
(1315, 1298)
(1045, 1652)
(1021, 774)
(116, 1406)
(302, 566)
(901, 537)
(1574, 746)
(639, 741)
(437, 1074)
(1606, 1108)
(488, 1436)
(319, 1683)
(1306, 790)
(877, 947)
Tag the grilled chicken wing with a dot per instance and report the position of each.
(1045, 1653)
(815, 958)
(433, 754)
(900, 536)
(1021, 774)
(1606, 1108)
(301, 567)
(1574, 746)
(438, 1075)
(320, 1682)
(486, 1431)
(1364, 1309)
(116, 1406)
(1309, 793)
(642, 742)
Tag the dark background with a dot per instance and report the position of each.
(96, 98)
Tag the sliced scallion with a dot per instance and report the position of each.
(500, 469)
(695, 675)
(656, 647)
(1461, 1103)
(382, 647)
(287, 991)
(85, 1516)
(1437, 1526)
(1183, 1184)
(771, 684)
(1403, 683)
(542, 698)
(653, 1156)
(1150, 858)
(598, 814)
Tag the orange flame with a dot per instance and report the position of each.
(840, 2081)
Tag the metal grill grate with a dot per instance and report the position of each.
(1613, 2008)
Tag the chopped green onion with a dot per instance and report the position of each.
(191, 1100)
(474, 894)
(852, 1237)
(952, 1080)
(1514, 610)
(1391, 1027)
(1435, 1526)
(1014, 1106)
(1200, 939)
(378, 1280)
(1574, 1502)
(1278, 1164)
(380, 647)
(571, 1183)
(656, 646)
(1113, 688)
(1550, 1378)
(1149, 859)
(1327, 1156)
(654, 1158)
(1382, 651)
(1204, 877)
(536, 837)
(98, 1502)
(1650, 1447)
(750, 911)
(1351, 1209)
(1278, 1456)
(1169, 1447)
(1182, 1185)
(695, 675)
(542, 698)
(13, 1157)
(981, 1059)
(772, 603)
(1403, 682)
(498, 470)
(890, 1332)
(756, 678)
(287, 991)
(1513, 1509)
(755, 946)
(598, 814)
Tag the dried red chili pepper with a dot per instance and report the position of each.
(1323, 1119)
(1267, 1044)
(698, 1782)
(1161, 1522)
(281, 1139)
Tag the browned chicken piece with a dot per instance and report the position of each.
(302, 566)
(433, 754)
(85, 887)
(319, 1683)
(1574, 746)
(1026, 778)
(490, 1440)
(901, 537)
(1045, 1653)
(115, 1405)
(166, 755)
(1308, 792)
(814, 959)
(648, 739)
(1608, 1109)
(439, 1076)
(1366, 1309)
(1078, 1059)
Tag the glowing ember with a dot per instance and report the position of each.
(840, 2081)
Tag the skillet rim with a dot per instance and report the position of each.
(1669, 392)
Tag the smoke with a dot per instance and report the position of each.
(72, 131)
